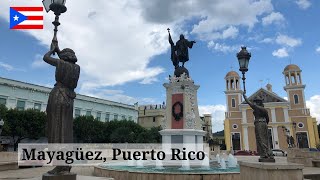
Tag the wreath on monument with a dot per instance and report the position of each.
(179, 115)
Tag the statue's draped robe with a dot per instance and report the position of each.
(261, 130)
(60, 103)
(182, 49)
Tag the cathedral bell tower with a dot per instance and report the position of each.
(233, 91)
(294, 87)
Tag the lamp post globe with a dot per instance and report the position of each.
(57, 6)
(243, 58)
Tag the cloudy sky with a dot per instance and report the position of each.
(123, 50)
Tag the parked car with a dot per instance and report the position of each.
(279, 152)
(314, 149)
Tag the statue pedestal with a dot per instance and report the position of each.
(182, 124)
(267, 171)
(70, 176)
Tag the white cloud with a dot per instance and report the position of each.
(303, 4)
(220, 14)
(288, 41)
(223, 47)
(217, 112)
(118, 96)
(231, 32)
(314, 105)
(9, 67)
(286, 98)
(149, 80)
(274, 17)
(267, 40)
(6, 66)
(280, 53)
(38, 62)
(318, 50)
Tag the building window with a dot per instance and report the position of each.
(235, 126)
(154, 119)
(300, 125)
(115, 117)
(107, 118)
(21, 105)
(88, 113)
(77, 112)
(235, 140)
(130, 118)
(3, 101)
(98, 116)
(296, 99)
(37, 106)
(233, 102)
(123, 117)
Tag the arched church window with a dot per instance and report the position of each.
(296, 99)
(233, 102)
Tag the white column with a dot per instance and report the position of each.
(273, 115)
(276, 137)
(244, 115)
(286, 114)
(166, 143)
(245, 138)
(189, 142)
(199, 143)
(285, 77)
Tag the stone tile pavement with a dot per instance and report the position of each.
(83, 173)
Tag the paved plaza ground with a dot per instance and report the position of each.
(84, 173)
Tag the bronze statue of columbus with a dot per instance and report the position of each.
(60, 103)
(261, 120)
(179, 52)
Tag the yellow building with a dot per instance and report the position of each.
(151, 115)
(287, 117)
(206, 126)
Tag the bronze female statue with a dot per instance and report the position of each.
(261, 120)
(60, 104)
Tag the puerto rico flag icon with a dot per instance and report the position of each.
(26, 17)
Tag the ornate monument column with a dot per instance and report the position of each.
(182, 123)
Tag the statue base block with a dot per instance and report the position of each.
(267, 171)
(267, 160)
(69, 176)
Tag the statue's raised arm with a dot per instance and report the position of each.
(247, 100)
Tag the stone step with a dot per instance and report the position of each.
(316, 163)
(4, 166)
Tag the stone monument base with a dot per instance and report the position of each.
(268, 171)
(191, 139)
(69, 176)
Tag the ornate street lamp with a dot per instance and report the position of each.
(58, 7)
(243, 58)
